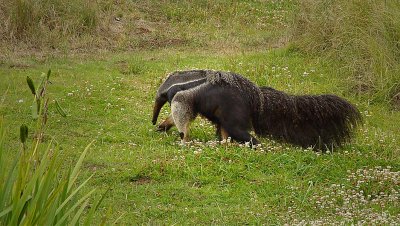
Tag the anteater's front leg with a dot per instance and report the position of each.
(167, 124)
(182, 115)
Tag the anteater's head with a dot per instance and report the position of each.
(174, 78)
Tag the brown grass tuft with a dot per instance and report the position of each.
(362, 35)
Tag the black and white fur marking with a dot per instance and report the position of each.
(236, 106)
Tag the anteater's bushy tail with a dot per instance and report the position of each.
(321, 121)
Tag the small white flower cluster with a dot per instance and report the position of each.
(279, 71)
(376, 137)
(362, 202)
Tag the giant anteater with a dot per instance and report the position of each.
(236, 105)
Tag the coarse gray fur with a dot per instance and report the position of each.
(212, 76)
(181, 103)
(244, 86)
(322, 121)
(182, 110)
(179, 77)
(174, 79)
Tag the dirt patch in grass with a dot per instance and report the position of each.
(94, 166)
(140, 179)
(162, 42)
(396, 101)
(19, 66)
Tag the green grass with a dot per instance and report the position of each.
(155, 180)
(106, 75)
(80, 26)
(33, 189)
(363, 36)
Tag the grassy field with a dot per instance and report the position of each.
(154, 180)
(108, 97)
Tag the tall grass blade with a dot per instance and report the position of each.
(50, 217)
(94, 208)
(7, 186)
(31, 191)
(78, 214)
(35, 110)
(60, 110)
(78, 165)
(48, 74)
(74, 192)
(23, 133)
(31, 85)
(27, 188)
(71, 209)
(5, 211)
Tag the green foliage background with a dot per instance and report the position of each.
(109, 57)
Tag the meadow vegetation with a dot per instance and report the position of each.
(77, 26)
(32, 190)
(364, 36)
(109, 57)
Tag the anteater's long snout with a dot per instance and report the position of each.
(159, 103)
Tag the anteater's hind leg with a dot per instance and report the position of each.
(242, 136)
(236, 127)
(182, 115)
(167, 124)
